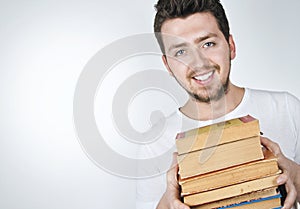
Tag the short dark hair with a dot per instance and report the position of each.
(169, 9)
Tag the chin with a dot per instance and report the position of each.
(207, 98)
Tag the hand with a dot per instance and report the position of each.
(171, 198)
(289, 175)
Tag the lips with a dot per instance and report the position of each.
(204, 77)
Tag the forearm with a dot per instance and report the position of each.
(171, 197)
(297, 181)
(163, 202)
(171, 200)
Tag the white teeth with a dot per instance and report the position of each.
(204, 77)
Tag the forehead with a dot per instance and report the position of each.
(191, 27)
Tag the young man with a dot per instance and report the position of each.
(198, 48)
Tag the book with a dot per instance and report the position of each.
(239, 199)
(217, 134)
(229, 176)
(231, 191)
(219, 157)
(261, 203)
(224, 166)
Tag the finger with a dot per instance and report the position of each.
(179, 205)
(174, 166)
(282, 179)
(291, 195)
(270, 145)
(172, 176)
(172, 172)
(174, 160)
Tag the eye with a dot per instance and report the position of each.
(179, 52)
(208, 44)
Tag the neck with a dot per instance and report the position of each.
(214, 109)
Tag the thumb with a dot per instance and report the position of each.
(173, 171)
(174, 160)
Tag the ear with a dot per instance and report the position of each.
(165, 61)
(232, 47)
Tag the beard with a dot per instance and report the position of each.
(210, 96)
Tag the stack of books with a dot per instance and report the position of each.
(224, 166)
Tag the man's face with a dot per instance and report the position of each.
(198, 55)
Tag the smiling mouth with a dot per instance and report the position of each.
(204, 77)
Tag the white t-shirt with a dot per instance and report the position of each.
(279, 118)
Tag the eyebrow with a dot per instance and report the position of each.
(175, 46)
(209, 35)
(197, 40)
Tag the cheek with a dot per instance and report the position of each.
(221, 53)
(221, 58)
(177, 66)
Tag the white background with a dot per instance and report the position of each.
(44, 46)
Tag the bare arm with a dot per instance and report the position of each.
(290, 175)
(171, 197)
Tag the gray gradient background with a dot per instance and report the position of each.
(45, 45)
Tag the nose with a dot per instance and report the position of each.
(198, 59)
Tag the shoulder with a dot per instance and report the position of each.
(275, 104)
(260, 92)
(279, 96)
